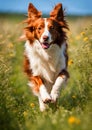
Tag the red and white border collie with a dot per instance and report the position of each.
(46, 53)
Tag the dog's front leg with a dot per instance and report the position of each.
(44, 94)
(61, 79)
(42, 105)
(39, 88)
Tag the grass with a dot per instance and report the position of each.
(19, 109)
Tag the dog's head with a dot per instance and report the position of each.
(47, 31)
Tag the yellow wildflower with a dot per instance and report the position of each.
(70, 62)
(25, 113)
(74, 96)
(73, 120)
(10, 45)
(12, 54)
(32, 104)
(85, 39)
(82, 33)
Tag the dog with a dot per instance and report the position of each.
(45, 55)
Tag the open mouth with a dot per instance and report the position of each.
(45, 45)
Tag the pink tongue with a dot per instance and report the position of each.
(45, 45)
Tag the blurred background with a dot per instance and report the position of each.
(74, 7)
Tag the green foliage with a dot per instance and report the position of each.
(19, 109)
(7, 101)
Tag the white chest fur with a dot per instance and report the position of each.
(45, 63)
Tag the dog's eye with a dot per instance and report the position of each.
(51, 27)
(39, 28)
(31, 29)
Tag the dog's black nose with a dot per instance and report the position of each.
(45, 38)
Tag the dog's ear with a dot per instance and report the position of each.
(57, 13)
(28, 34)
(33, 12)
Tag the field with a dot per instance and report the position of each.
(19, 109)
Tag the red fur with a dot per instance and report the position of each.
(36, 80)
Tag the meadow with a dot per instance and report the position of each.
(19, 109)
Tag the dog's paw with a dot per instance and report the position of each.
(46, 98)
(54, 96)
(42, 107)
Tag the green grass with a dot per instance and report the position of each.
(19, 109)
